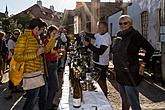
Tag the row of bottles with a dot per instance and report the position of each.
(74, 77)
(79, 70)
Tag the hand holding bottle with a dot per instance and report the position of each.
(141, 68)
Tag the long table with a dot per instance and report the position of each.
(92, 100)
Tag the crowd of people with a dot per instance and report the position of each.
(43, 50)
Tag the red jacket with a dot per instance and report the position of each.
(51, 56)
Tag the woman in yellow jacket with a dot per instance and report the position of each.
(28, 50)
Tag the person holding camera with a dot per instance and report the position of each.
(100, 50)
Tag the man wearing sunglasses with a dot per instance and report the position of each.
(129, 69)
(12, 41)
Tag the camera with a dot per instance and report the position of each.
(89, 36)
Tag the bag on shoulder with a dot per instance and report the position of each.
(15, 72)
(33, 80)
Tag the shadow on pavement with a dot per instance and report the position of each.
(150, 90)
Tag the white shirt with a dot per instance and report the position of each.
(10, 45)
(63, 37)
(103, 40)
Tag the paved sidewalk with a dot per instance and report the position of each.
(152, 96)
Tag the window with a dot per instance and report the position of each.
(162, 13)
(144, 23)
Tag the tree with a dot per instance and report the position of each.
(22, 21)
(9, 24)
(5, 24)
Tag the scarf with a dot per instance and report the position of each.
(123, 33)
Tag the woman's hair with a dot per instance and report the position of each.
(126, 17)
(37, 22)
(2, 34)
(51, 29)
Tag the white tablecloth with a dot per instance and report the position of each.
(91, 99)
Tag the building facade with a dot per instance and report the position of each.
(149, 19)
(146, 19)
(49, 15)
(68, 21)
(88, 13)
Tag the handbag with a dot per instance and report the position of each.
(33, 80)
(15, 71)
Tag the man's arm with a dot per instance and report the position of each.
(96, 50)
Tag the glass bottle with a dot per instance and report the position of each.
(77, 91)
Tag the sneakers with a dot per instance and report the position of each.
(17, 90)
(9, 92)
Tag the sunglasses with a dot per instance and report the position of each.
(124, 23)
(16, 33)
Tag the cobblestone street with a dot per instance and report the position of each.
(152, 96)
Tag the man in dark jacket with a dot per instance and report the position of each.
(126, 62)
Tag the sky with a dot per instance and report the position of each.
(16, 6)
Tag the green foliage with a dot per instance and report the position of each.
(5, 24)
(22, 21)
(9, 24)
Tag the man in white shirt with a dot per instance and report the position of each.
(100, 51)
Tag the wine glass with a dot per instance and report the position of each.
(61, 50)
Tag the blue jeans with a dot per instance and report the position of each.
(130, 97)
(32, 98)
(53, 84)
(43, 96)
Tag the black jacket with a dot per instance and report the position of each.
(126, 59)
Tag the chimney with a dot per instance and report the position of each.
(39, 2)
(52, 7)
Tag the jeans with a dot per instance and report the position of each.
(53, 83)
(130, 97)
(43, 97)
(32, 98)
